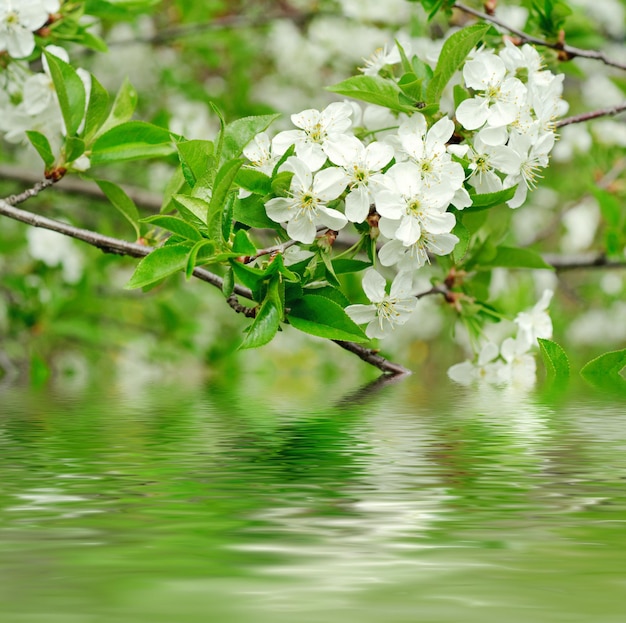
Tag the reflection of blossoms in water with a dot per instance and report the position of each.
(512, 362)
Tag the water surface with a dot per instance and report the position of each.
(227, 504)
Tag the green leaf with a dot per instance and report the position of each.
(42, 145)
(460, 249)
(96, 109)
(240, 132)
(606, 367)
(484, 201)
(242, 243)
(251, 212)
(375, 90)
(268, 317)
(514, 257)
(193, 255)
(160, 263)
(122, 202)
(331, 293)
(453, 54)
(73, 149)
(174, 224)
(249, 276)
(281, 183)
(254, 181)
(343, 266)
(191, 205)
(70, 91)
(196, 159)
(123, 107)
(318, 315)
(555, 359)
(133, 140)
(223, 183)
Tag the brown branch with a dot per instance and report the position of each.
(582, 262)
(85, 188)
(121, 247)
(594, 114)
(226, 22)
(372, 357)
(567, 50)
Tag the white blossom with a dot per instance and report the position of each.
(304, 210)
(317, 130)
(386, 310)
(18, 20)
(361, 165)
(409, 209)
(536, 322)
(498, 97)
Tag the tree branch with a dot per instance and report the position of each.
(121, 247)
(594, 114)
(582, 262)
(567, 50)
(85, 188)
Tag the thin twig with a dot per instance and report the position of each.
(594, 114)
(33, 191)
(582, 262)
(226, 22)
(85, 188)
(568, 50)
(277, 248)
(373, 358)
(121, 247)
(104, 243)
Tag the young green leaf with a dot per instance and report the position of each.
(122, 202)
(202, 245)
(319, 315)
(193, 206)
(514, 257)
(375, 90)
(196, 159)
(555, 359)
(453, 54)
(122, 109)
(176, 225)
(251, 212)
(241, 131)
(133, 140)
(96, 109)
(606, 367)
(268, 318)
(70, 91)
(242, 243)
(254, 181)
(160, 263)
(42, 145)
(484, 201)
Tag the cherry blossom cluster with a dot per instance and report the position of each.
(19, 20)
(29, 102)
(511, 361)
(512, 110)
(403, 177)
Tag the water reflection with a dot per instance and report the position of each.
(391, 504)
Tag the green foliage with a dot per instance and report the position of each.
(132, 140)
(374, 90)
(452, 56)
(323, 317)
(605, 371)
(70, 91)
(40, 142)
(268, 316)
(555, 360)
(120, 200)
